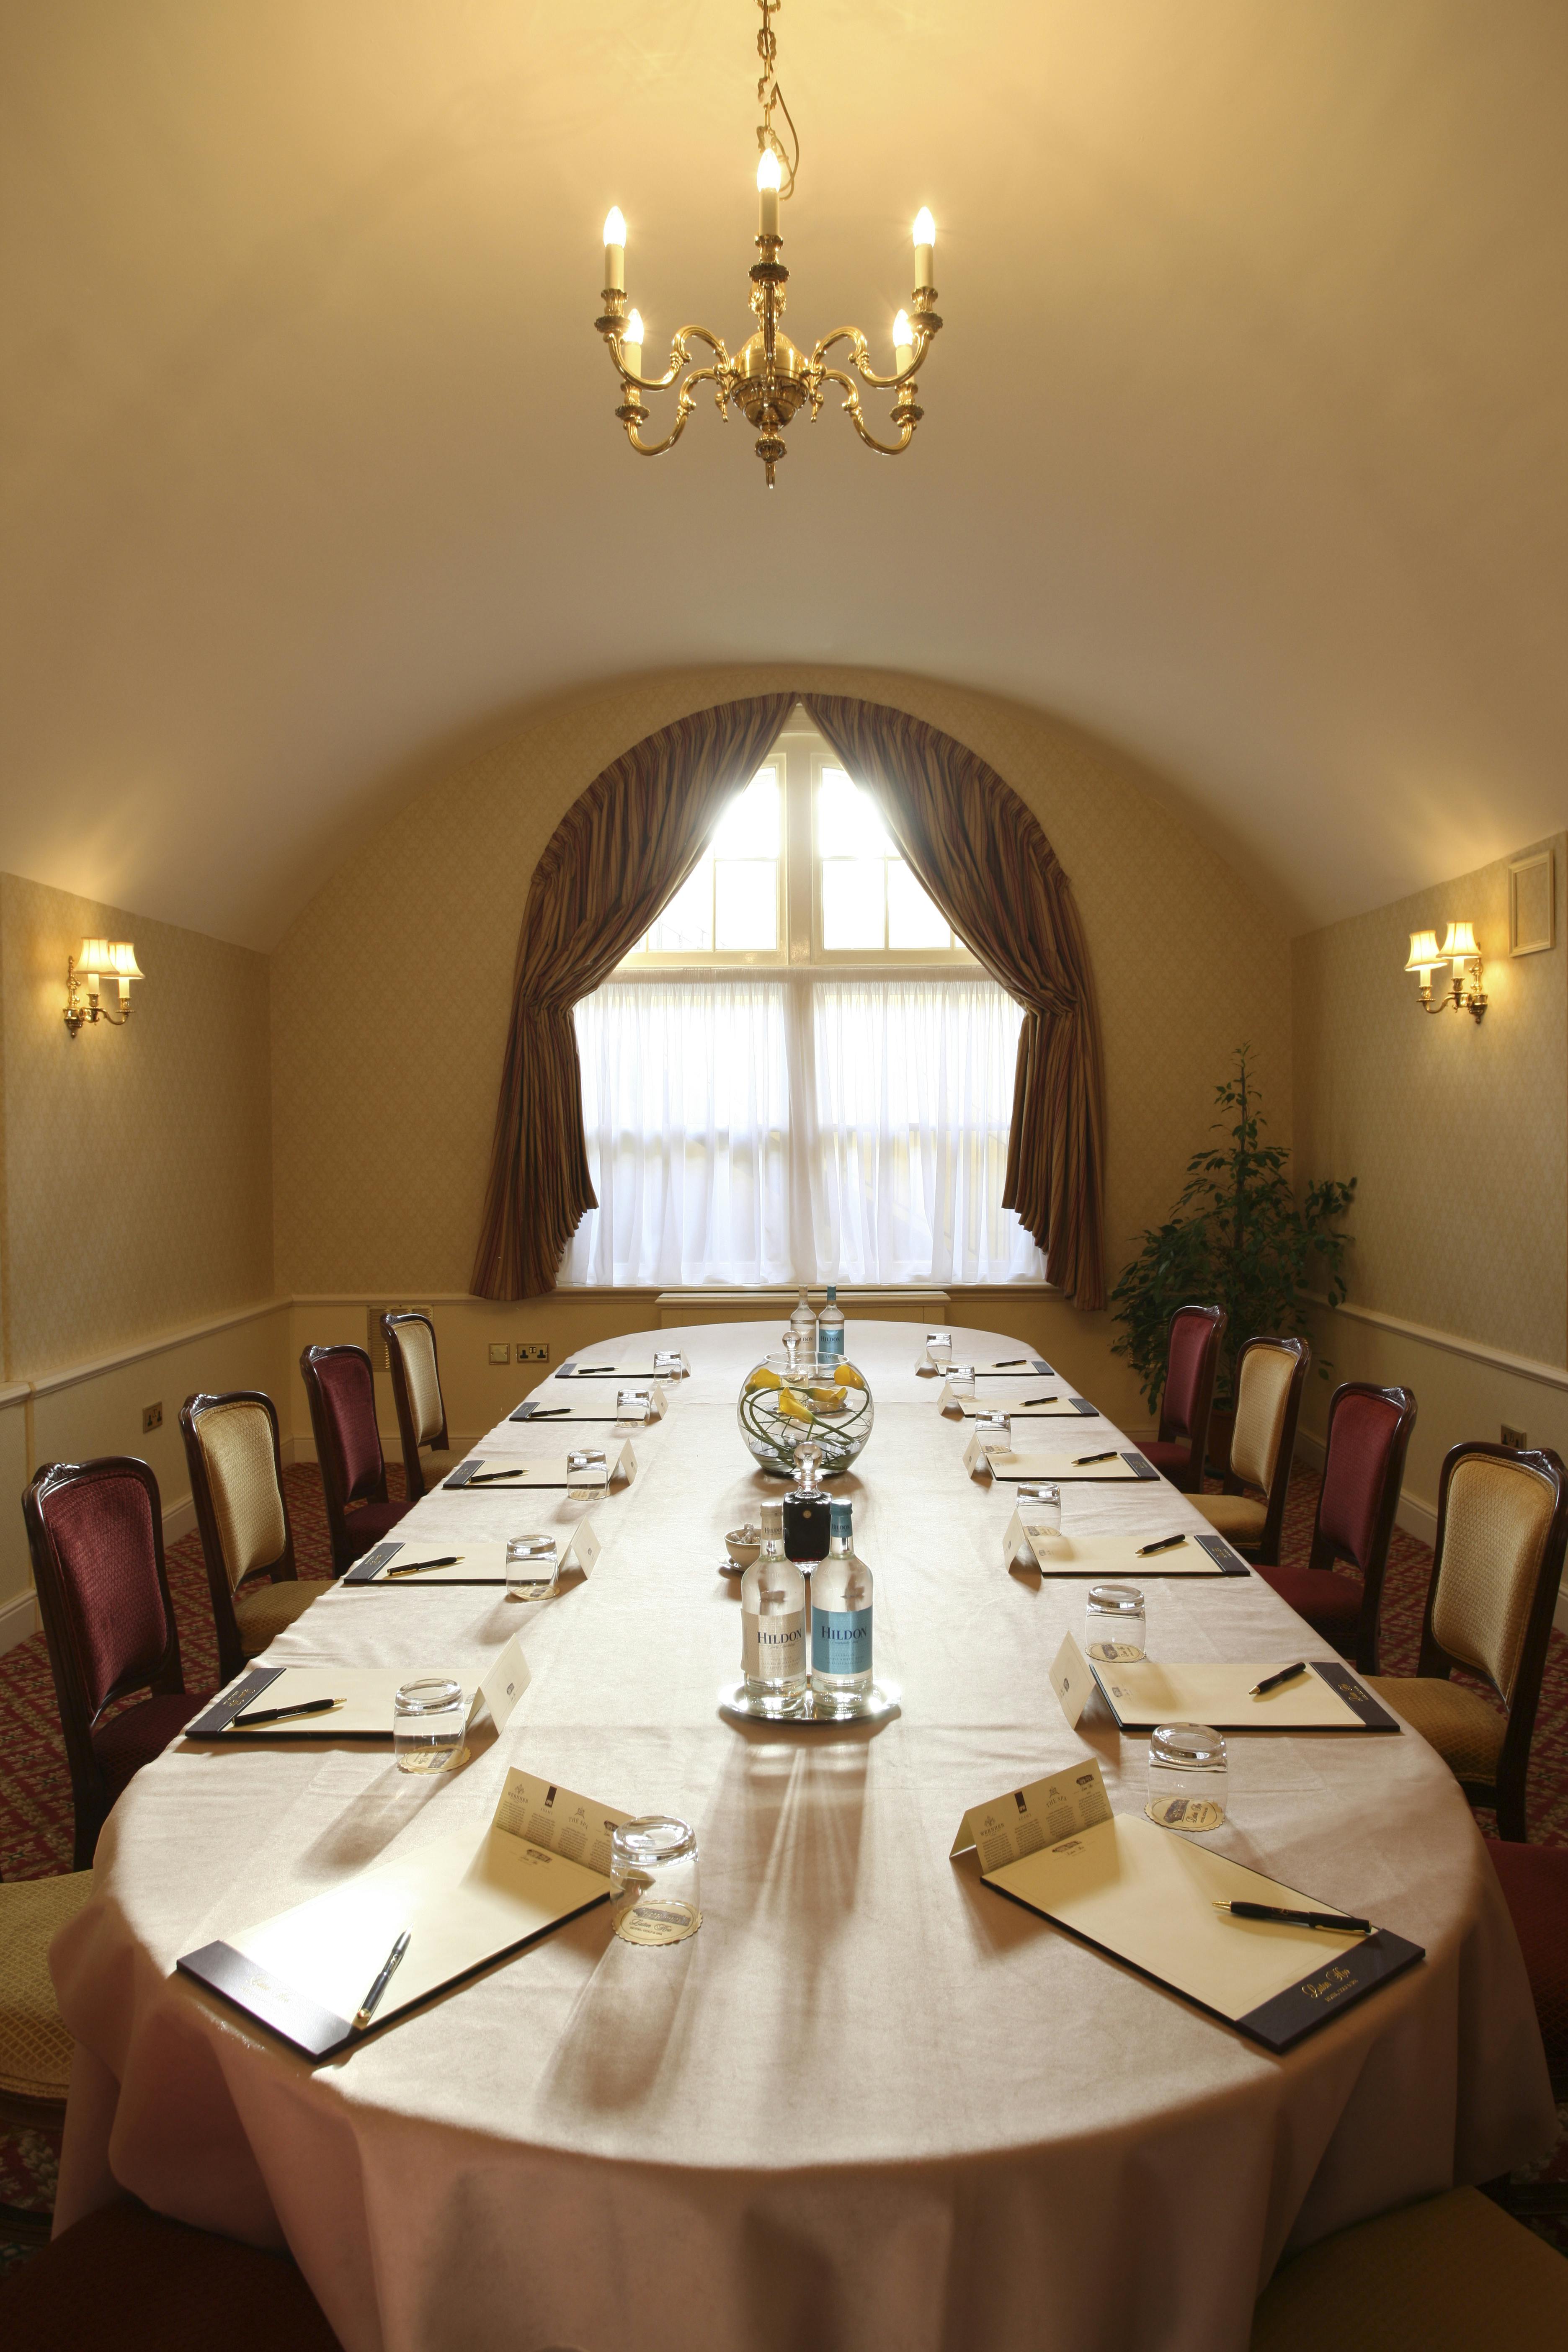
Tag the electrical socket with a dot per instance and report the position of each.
(1514, 1437)
(500, 1352)
(152, 1418)
(528, 1353)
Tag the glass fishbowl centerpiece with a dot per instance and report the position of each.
(793, 1396)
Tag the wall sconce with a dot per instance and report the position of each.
(85, 972)
(1464, 992)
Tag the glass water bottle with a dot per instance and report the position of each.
(772, 1624)
(830, 1328)
(841, 1623)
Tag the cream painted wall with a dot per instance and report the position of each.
(390, 995)
(1459, 1134)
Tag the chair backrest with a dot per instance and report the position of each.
(1268, 1384)
(416, 1390)
(1501, 1521)
(341, 1388)
(1363, 1467)
(95, 1530)
(237, 1483)
(1192, 1364)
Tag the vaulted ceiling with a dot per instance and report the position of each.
(1244, 443)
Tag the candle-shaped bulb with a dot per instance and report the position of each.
(631, 342)
(904, 342)
(616, 250)
(768, 177)
(925, 247)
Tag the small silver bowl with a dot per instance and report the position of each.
(743, 1544)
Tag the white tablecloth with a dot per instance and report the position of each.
(870, 2104)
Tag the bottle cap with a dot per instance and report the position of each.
(772, 1521)
(841, 1517)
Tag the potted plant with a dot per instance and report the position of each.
(1239, 1235)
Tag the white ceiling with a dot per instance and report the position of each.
(1244, 443)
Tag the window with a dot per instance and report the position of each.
(799, 1072)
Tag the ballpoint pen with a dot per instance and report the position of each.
(1166, 1543)
(277, 1714)
(548, 1412)
(1011, 1363)
(1029, 1401)
(366, 2008)
(1272, 1682)
(491, 1477)
(1327, 1919)
(418, 1567)
(1083, 1461)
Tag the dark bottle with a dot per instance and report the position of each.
(807, 1507)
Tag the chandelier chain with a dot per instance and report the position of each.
(769, 95)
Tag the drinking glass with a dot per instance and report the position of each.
(1045, 1501)
(633, 1405)
(653, 1881)
(939, 1347)
(995, 1431)
(429, 1721)
(533, 1568)
(585, 1470)
(1187, 1777)
(961, 1380)
(1113, 1623)
(666, 1363)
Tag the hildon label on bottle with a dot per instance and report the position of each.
(774, 1648)
(841, 1641)
(1037, 1815)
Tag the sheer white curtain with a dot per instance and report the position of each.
(809, 1129)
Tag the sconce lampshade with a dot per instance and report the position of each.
(123, 961)
(97, 956)
(1460, 943)
(1425, 955)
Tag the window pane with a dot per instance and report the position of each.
(746, 905)
(914, 921)
(852, 900)
(685, 926)
(750, 826)
(847, 825)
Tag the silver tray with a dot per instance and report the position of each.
(884, 1700)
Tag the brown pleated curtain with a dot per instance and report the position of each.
(625, 848)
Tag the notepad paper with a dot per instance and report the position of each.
(497, 1474)
(482, 1560)
(664, 1364)
(367, 1693)
(989, 1461)
(1327, 1697)
(464, 1902)
(602, 1402)
(1025, 1401)
(1029, 1542)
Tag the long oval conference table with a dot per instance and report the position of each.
(870, 2106)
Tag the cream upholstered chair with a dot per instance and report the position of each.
(428, 1455)
(1268, 1384)
(237, 1483)
(1502, 1524)
(35, 2048)
(1444, 2275)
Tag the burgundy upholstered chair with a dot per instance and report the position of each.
(95, 1530)
(1191, 1361)
(341, 1387)
(1535, 1880)
(1363, 1468)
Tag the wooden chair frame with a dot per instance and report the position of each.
(413, 1468)
(282, 1571)
(1191, 1481)
(1506, 1794)
(343, 1553)
(1373, 1569)
(1263, 1551)
(90, 1791)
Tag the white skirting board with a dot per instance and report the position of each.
(1415, 1515)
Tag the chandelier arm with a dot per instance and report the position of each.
(923, 337)
(852, 410)
(686, 402)
(680, 357)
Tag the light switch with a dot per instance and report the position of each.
(500, 1353)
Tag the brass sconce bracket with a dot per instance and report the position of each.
(1464, 993)
(81, 1014)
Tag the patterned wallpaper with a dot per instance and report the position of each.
(1458, 1133)
(389, 993)
(137, 1162)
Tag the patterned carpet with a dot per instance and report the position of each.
(35, 1792)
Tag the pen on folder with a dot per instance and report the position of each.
(277, 1714)
(1272, 1682)
(1029, 1401)
(491, 1477)
(1329, 1919)
(1083, 1461)
(1166, 1543)
(418, 1567)
(1011, 1363)
(366, 2008)
(593, 1367)
(547, 1411)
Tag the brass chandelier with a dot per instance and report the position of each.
(768, 379)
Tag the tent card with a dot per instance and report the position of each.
(1098, 1464)
(1071, 1680)
(1326, 1697)
(477, 1562)
(1032, 1401)
(364, 1695)
(1056, 1553)
(463, 1903)
(1146, 1897)
(504, 1683)
(1035, 1816)
(577, 1470)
